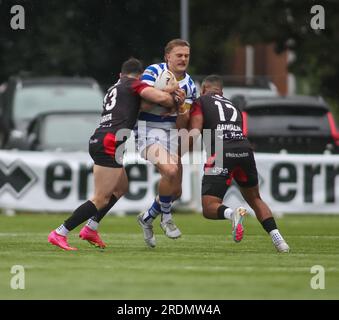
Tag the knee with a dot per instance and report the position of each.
(171, 172)
(206, 211)
(177, 193)
(121, 191)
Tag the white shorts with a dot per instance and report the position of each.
(147, 136)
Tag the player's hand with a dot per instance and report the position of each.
(168, 113)
(184, 108)
(179, 96)
(172, 86)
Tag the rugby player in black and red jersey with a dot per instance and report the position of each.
(231, 157)
(120, 111)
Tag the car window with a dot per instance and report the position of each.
(287, 120)
(67, 132)
(283, 110)
(31, 101)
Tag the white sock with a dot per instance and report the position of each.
(62, 231)
(276, 236)
(228, 213)
(166, 216)
(92, 224)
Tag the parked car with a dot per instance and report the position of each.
(295, 124)
(25, 98)
(240, 85)
(61, 131)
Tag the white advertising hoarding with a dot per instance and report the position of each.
(59, 181)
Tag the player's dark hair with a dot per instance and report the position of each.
(176, 43)
(132, 66)
(214, 79)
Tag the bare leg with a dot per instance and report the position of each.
(108, 181)
(265, 217)
(210, 206)
(171, 172)
(119, 190)
(252, 197)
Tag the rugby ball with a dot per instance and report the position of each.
(165, 79)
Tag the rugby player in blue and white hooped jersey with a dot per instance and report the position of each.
(159, 144)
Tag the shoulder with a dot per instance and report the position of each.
(152, 72)
(208, 99)
(134, 85)
(154, 69)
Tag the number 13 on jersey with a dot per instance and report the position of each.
(110, 99)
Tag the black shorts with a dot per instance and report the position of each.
(236, 163)
(105, 150)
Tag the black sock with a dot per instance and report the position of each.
(81, 214)
(221, 212)
(102, 212)
(269, 224)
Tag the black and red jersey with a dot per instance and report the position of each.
(222, 118)
(121, 105)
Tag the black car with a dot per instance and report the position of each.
(22, 99)
(295, 124)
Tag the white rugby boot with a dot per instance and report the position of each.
(147, 230)
(279, 242)
(170, 229)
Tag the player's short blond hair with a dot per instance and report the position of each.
(175, 43)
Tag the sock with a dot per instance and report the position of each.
(102, 212)
(269, 224)
(152, 212)
(81, 214)
(92, 224)
(62, 231)
(276, 236)
(225, 213)
(166, 204)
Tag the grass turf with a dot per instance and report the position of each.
(204, 264)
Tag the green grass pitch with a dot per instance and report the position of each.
(204, 263)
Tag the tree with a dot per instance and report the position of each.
(84, 37)
(87, 37)
(283, 22)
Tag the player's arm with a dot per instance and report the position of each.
(196, 122)
(161, 97)
(183, 115)
(195, 126)
(149, 77)
(196, 117)
(184, 110)
(153, 95)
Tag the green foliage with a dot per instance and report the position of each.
(285, 23)
(85, 37)
(88, 37)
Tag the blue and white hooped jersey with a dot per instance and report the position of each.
(154, 116)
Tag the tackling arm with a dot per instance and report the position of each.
(157, 96)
